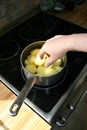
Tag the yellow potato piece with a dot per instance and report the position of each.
(39, 61)
(49, 71)
(34, 51)
(58, 68)
(40, 70)
(57, 62)
(26, 62)
(31, 59)
(31, 68)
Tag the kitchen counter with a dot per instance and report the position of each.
(26, 118)
(77, 16)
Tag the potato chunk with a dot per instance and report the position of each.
(40, 70)
(31, 68)
(58, 62)
(49, 71)
(58, 68)
(39, 61)
(26, 62)
(31, 59)
(35, 51)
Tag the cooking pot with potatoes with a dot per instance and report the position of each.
(36, 73)
(51, 75)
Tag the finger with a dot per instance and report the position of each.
(49, 61)
(41, 54)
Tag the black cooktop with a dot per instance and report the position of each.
(41, 26)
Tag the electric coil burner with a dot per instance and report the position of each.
(47, 101)
(39, 28)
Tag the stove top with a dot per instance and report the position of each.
(47, 101)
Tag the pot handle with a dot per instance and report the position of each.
(15, 107)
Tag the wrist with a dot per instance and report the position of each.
(70, 42)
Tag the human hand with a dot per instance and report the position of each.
(55, 48)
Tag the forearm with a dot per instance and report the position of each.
(79, 42)
(59, 45)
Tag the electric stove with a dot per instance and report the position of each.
(46, 101)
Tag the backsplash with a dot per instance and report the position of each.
(13, 9)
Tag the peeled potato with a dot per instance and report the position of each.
(31, 68)
(58, 62)
(49, 71)
(26, 62)
(31, 59)
(58, 68)
(35, 51)
(39, 61)
(40, 70)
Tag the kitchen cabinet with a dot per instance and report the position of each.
(27, 119)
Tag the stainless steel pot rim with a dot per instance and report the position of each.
(47, 87)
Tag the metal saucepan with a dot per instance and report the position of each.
(32, 79)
